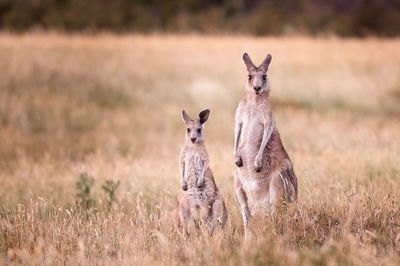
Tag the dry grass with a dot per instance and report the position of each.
(110, 106)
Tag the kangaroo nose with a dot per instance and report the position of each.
(257, 89)
(193, 140)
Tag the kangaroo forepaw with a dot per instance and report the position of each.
(200, 184)
(238, 161)
(258, 165)
(184, 186)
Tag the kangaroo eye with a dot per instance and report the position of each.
(188, 130)
(199, 130)
(250, 77)
(264, 77)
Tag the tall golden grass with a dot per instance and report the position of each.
(109, 106)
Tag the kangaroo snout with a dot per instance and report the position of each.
(257, 89)
(193, 139)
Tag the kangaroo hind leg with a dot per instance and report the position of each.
(183, 215)
(218, 215)
(242, 201)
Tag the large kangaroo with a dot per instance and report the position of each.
(265, 176)
(201, 199)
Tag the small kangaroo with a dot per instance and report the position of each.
(200, 199)
(264, 176)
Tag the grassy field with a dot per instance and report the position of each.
(80, 113)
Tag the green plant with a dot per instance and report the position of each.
(110, 188)
(84, 186)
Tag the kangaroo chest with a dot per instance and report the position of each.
(252, 123)
(193, 171)
(252, 131)
(193, 167)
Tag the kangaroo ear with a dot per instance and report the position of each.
(185, 116)
(265, 64)
(247, 61)
(203, 116)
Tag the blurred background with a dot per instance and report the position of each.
(255, 17)
(91, 94)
